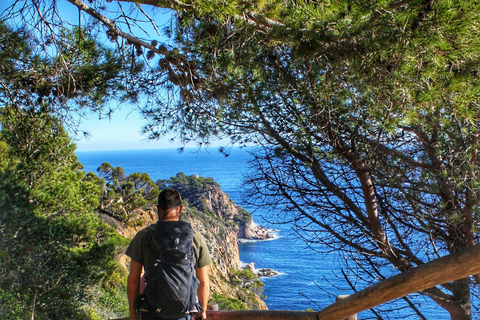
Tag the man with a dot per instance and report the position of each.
(169, 209)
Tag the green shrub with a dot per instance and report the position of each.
(14, 305)
(227, 304)
(256, 287)
(242, 276)
(113, 300)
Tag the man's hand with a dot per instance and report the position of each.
(203, 291)
(200, 316)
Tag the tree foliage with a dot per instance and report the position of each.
(367, 114)
(189, 185)
(55, 248)
(124, 193)
(369, 120)
(56, 255)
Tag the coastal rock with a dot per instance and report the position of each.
(267, 272)
(252, 231)
(264, 272)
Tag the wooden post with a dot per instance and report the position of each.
(212, 306)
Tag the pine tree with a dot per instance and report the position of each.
(366, 114)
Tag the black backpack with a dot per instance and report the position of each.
(171, 290)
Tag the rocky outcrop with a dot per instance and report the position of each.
(261, 273)
(214, 200)
(205, 195)
(266, 273)
(251, 267)
(252, 231)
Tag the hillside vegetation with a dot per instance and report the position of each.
(59, 258)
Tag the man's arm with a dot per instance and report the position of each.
(203, 291)
(133, 285)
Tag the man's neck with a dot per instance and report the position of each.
(170, 219)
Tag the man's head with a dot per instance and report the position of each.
(169, 205)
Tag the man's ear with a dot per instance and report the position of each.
(180, 210)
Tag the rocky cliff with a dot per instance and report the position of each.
(205, 195)
(212, 213)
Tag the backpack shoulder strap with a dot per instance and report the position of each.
(150, 251)
(152, 238)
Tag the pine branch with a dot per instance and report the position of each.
(115, 30)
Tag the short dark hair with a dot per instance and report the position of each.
(168, 199)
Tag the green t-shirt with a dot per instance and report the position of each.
(137, 250)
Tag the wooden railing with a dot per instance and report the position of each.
(446, 269)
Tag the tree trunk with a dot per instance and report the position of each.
(459, 308)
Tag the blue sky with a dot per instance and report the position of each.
(122, 131)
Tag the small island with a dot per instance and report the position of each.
(261, 273)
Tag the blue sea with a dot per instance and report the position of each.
(307, 279)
